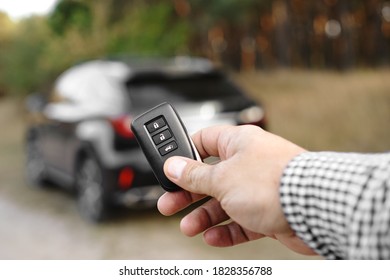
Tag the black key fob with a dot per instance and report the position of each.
(161, 134)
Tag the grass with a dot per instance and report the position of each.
(326, 110)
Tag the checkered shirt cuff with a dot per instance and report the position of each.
(339, 203)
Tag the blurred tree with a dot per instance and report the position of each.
(245, 34)
(70, 14)
(83, 35)
(374, 49)
(20, 60)
(148, 27)
(6, 31)
(7, 27)
(227, 29)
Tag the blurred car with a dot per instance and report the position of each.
(79, 136)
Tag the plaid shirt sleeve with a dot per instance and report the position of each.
(339, 203)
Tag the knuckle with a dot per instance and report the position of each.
(202, 178)
(194, 176)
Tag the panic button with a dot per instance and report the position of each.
(168, 148)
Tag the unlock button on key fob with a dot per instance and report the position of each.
(161, 137)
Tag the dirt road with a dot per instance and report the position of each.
(44, 223)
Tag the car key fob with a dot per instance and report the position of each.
(161, 134)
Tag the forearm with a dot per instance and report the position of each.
(339, 203)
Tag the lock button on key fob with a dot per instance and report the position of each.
(161, 134)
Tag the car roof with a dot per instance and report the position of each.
(107, 78)
(169, 65)
(126, 68)
(78, 80)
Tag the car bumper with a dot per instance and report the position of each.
(139, 197)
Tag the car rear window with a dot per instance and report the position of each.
(180, 89)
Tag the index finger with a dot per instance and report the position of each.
(208, 140)
(172, 202)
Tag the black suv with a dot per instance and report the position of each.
(79, 136)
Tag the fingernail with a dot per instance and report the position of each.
(175, 167)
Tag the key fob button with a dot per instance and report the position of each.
(168, 148)
(161, 137)
(155, 125)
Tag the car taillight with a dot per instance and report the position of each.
(122, 126)
(125, 178)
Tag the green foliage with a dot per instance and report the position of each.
(149, 30)
(39, 49)
(70, 14)
(245, 34)
(20, 60)
(230, 10)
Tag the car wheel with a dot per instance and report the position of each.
(35, 168)
(91, 193)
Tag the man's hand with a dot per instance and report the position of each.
(243, 186)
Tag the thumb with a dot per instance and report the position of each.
(191, 175)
